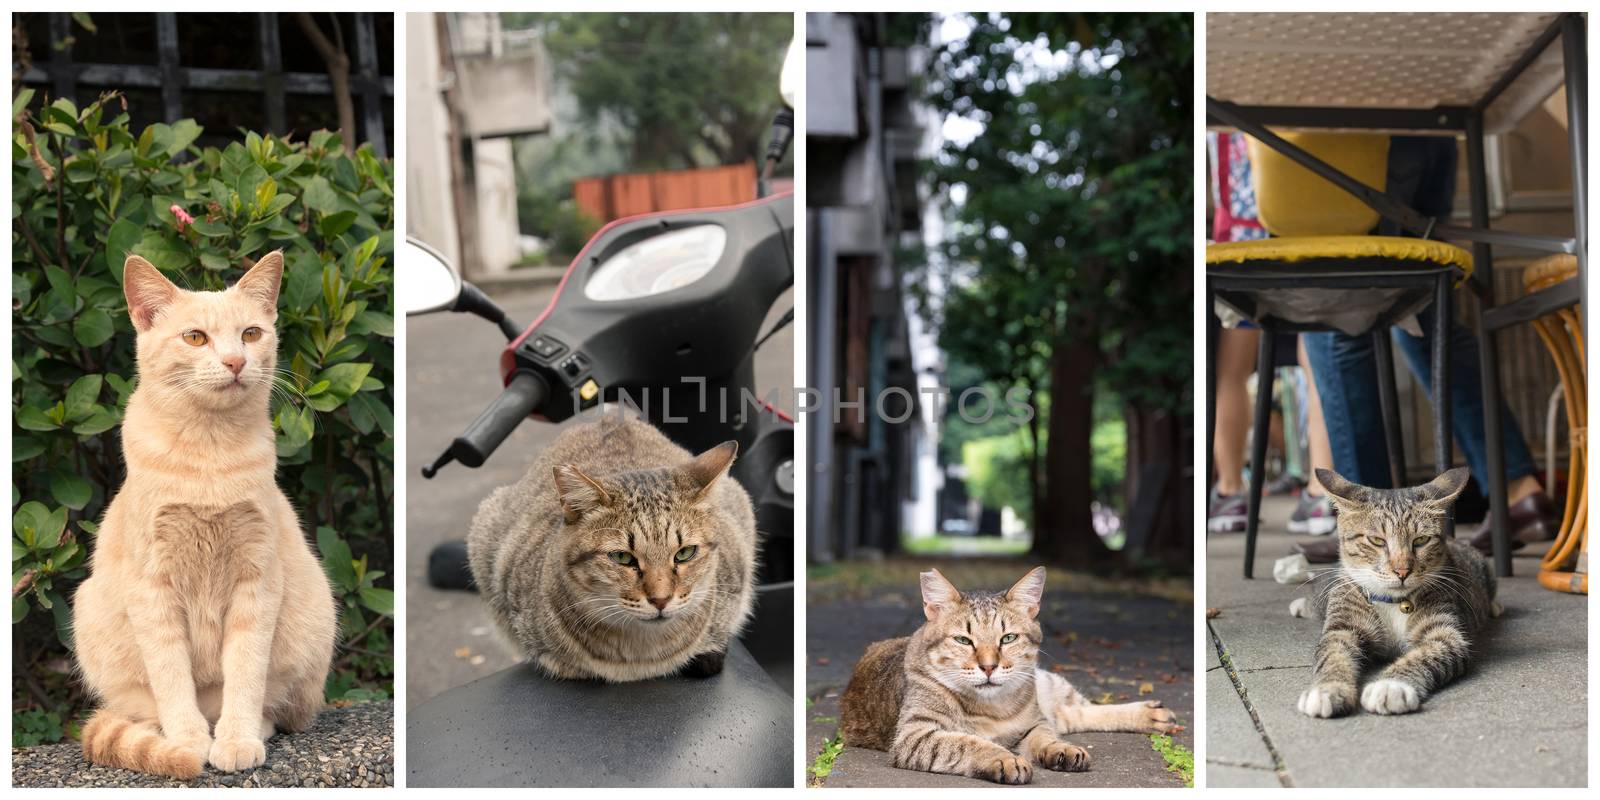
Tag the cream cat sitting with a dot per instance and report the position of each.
(205, 606)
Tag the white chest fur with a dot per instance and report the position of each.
(1397, 622)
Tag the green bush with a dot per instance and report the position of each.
(86, 190)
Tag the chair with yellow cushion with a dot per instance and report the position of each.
(1565, 568)
(1322, 272)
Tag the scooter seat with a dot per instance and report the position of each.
(519, 728)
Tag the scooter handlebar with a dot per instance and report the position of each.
(526, 392)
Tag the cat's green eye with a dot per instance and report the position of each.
(1008, 638)
(1376, 541)
(622, 557)
(1421, 540)
(251, 334)
(964, 640)
(685, 553)
(196, 338)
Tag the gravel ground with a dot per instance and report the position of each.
(351, 747)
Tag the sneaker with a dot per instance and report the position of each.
(1286, 483)
(1313, 515)
(1226, 513)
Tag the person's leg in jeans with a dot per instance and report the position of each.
(1466, 422)
(1344, 370)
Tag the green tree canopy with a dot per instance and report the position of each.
(684, 90)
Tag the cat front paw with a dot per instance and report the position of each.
(1156, 718)
(1063, 757)
(1390, 696)
(1010, 770)
(234, 754)
(1327, 700)
(1300, 607)
(705, 665)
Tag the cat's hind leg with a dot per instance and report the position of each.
(1071, 712)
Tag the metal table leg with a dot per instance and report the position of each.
(1442, 434)
(1488, 353)
(1389, 404)
(1265, 356)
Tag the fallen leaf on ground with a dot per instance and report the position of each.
(824, 661)
(1213, 613)
(1147, 688)
(463, 652)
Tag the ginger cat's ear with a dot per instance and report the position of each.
(261, 283)
(580, 494)
(148, 291)
(939, 595)
(1029, 591)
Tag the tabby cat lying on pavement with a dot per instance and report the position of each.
(962, 696)
(1401, 592)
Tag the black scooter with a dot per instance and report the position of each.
(660, 313)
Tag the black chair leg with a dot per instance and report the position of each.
(1442, 432)
(1389, 404)
(1265, 356)
(1213, 339)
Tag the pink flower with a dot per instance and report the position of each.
(183, 216)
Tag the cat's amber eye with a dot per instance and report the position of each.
(195, 338)
(251, 334)
(1421, 540)
(1376, 541)
(622, 557)
(1008, 638)
(964, 640)
(685, 553)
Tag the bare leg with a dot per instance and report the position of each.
(1236, 360)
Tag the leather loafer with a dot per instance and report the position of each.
(1531, 519)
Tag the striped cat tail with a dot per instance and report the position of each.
(113, 740)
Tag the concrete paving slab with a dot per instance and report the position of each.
(1518, 718)
(1231, 736)
(1241, 777)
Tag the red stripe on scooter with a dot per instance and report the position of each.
(508, 359)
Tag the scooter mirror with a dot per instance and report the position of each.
(790, 74)
(427, 281)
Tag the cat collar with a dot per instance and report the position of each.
(1406, 606)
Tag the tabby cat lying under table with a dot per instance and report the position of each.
(1401, 592)
(962, 694)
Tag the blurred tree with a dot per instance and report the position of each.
(1068, 252)
(686, 90)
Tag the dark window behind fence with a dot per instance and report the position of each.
(252, 71)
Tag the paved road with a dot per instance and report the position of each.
(452, 375)
(1518, 718)
(1109, 640)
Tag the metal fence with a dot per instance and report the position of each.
(69, 64)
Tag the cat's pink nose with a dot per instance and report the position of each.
(233, 363)
(988, 669)
(661, 602)
(1402, 572)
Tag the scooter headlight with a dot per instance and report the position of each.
(658, 264)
